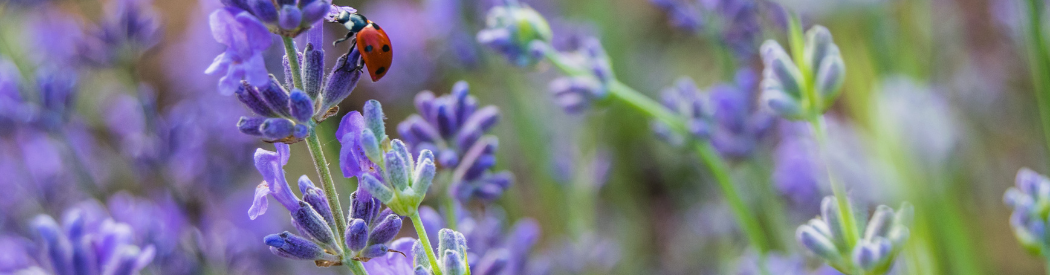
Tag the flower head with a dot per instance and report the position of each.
(1029, 200)
(798, 89)
(455, 127)
(875, 251)
(286, 17)
(494, 248)
(370, 230)
(511, 29)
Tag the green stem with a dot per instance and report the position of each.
(845, 210)
(356, 267)
(1040, 67)
(293, 62)
(718, 168)
(317, 154)
(422, 234)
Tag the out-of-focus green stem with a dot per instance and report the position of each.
(707, 153)
(845, 210)
(421, 233)
(1039, 63)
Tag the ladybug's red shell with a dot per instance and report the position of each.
(375, 48)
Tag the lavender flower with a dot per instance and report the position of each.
(1028, 220)
(511, 29)
(12, 108)
(685, 99)
(400, 183)
(576, 92)
(287, 17)
(874, 252)
(588, 254)
(246, 39)
(739, 123)
(84, 245)
(786, 89)
(455, 127)
(370, 229)
(129, 28)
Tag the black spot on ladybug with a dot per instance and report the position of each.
(381, 70)
(374, 25)
(386, 48)
(368, 48)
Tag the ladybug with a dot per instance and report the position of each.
(370, 40)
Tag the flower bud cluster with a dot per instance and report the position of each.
(873, 253)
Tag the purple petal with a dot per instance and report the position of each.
(260, 203)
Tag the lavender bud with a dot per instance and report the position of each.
(829, 212)
(376, 188)
(250, 96)
(313, 224)
(817, 243)
(448, 158)
(276, 97)
(399, 147)
(424, 102)
(371, 146)
(291, 246)
(880, 224)
(124, 262)
(363, 206)
(872, 255)
(313, 69)
(418, 129)
(452, 263)
(386, 230)
(277, 128)
(419, 256)
(446, 119)
(57, 246)
(425, 155)
(511, 29)
(341, 81)
(373, 112)
(830, 76)
(398, 170)
(476, 126)
(300, 131)
(424, 175)
(374, 251)
(422, 271)
(290, 17)
(313, 12)
(250, 125)
(819, 45)
(264, 10)
(302, 106)
(316, 198)
(357, 235)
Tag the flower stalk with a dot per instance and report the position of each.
(417, 223)
(1040, 63)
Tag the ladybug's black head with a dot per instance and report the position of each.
(352, 21)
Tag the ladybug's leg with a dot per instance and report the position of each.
(348, 36)
(353, 45)
(360, 64)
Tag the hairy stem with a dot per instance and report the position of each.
(293, 62)
(422, 234)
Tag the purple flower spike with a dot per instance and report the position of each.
(341, 81)
(246, 39)
(264, 10)
(313, 69)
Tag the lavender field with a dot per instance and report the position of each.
(502, 137)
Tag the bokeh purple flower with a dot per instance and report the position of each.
(246, 39)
